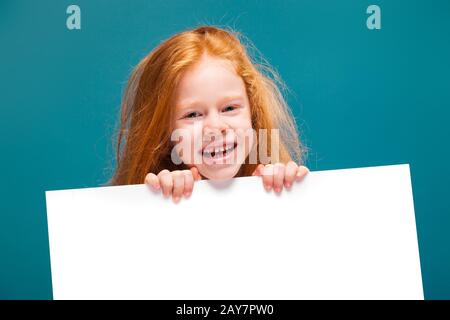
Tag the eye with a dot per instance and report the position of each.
(192, 115)
(229, 108)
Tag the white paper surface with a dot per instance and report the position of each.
(338, 234)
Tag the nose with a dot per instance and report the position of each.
(214, 124)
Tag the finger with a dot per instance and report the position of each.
(178, 185)
(290, 173)
(258, 170)
(166, 182)
(278, 176)
(188, 182)
(302, 171)
(152, 180)
(267, 172)
(196, 174)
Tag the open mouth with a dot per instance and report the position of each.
(215, 153)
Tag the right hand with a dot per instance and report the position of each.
(176, 183)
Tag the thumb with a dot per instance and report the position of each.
(258, 170)
(195, 174)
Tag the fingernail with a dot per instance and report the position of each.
(268, 187)
(277, 190)
(187, 194)
(176, 199)
(155, 186)
(288, 185)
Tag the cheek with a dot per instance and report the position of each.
(242, 122)
(189, 144)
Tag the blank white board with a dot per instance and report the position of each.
(338, 234)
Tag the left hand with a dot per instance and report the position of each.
(279, 174)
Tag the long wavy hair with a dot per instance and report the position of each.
(142, 138)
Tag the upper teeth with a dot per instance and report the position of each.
(218, 149)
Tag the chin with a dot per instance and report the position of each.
(224, 173)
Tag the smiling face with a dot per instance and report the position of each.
(213, 112)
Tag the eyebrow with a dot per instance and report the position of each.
(190, 103)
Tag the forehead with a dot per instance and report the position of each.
(210, 80)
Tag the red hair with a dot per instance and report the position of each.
(143, 138)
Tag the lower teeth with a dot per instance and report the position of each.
(223, 153)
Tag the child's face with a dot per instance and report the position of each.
(212, 109)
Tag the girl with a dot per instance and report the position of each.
(187, 112)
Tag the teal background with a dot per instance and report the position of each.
(362, 98)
